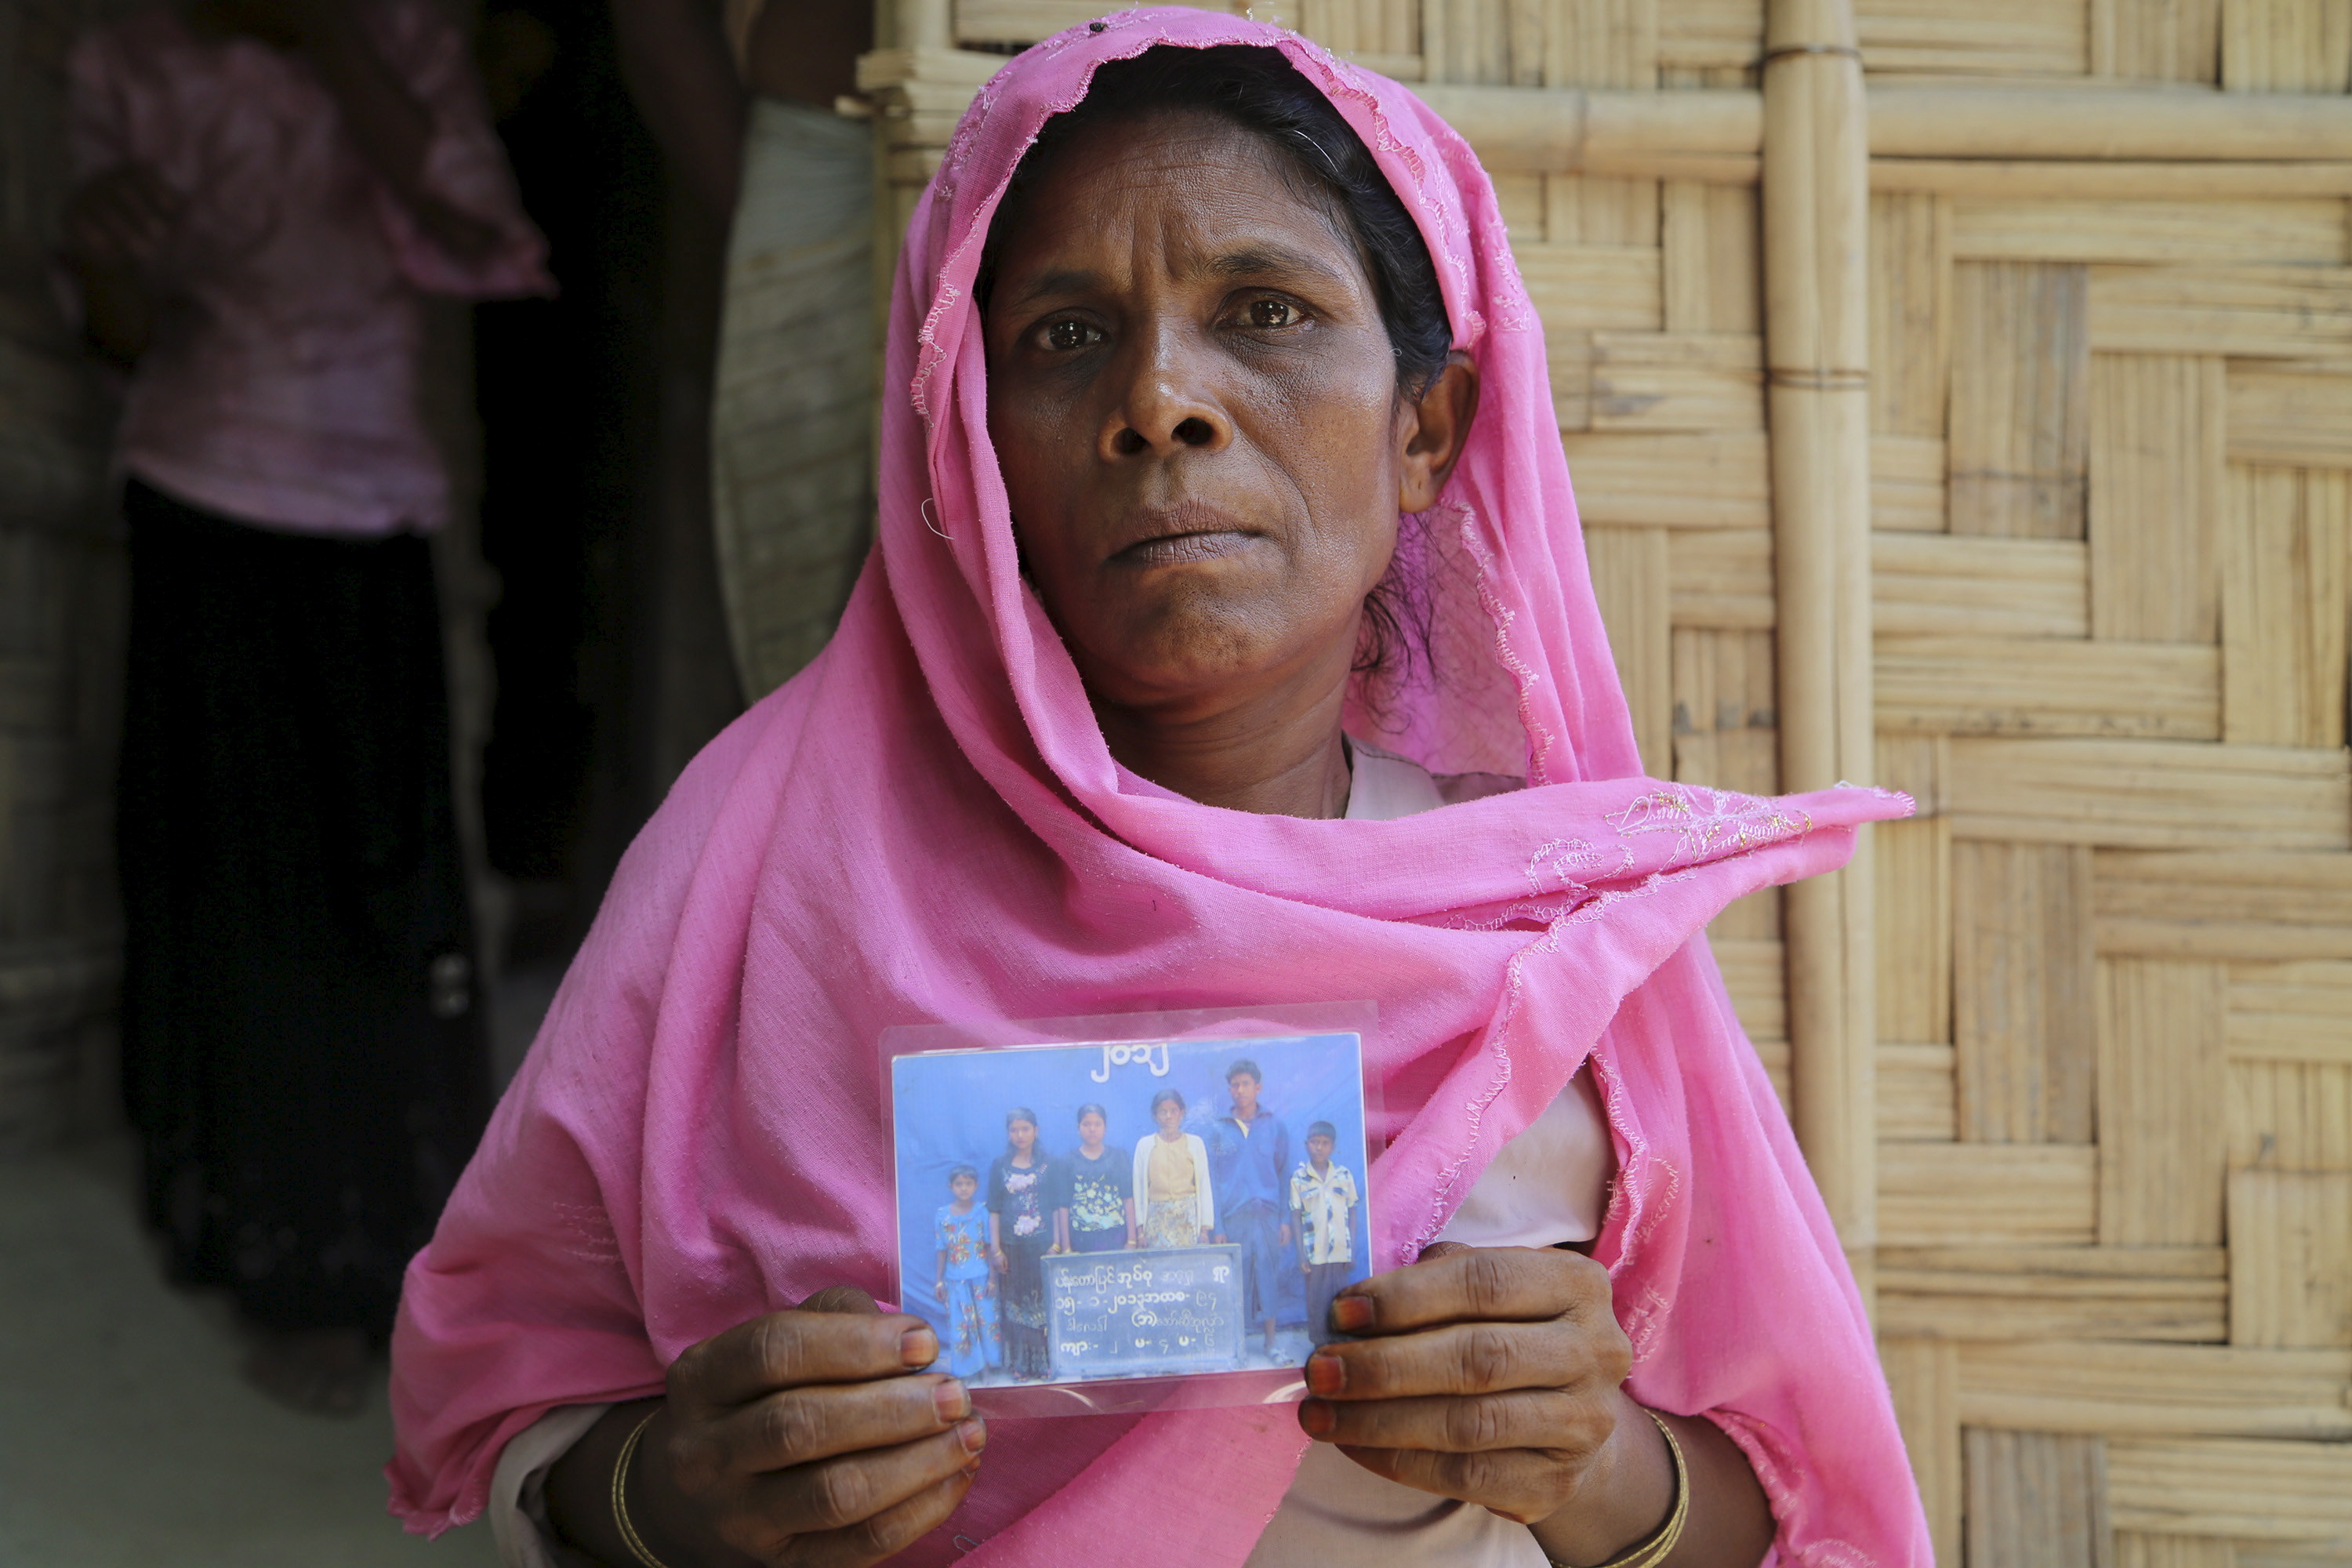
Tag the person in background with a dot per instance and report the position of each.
(1021, 1190)
(744, 106)
(266, 190)
(1175, 1200)
(1095, 1210)
(1249, 1151)
(1323, 1208)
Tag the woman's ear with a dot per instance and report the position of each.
(1434, 427)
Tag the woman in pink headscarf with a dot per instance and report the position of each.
(1222, 443)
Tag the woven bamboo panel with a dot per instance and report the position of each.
(2286, 46)
(1629, 581)
(2163, 1077)
(2003, 38)
(2022, 983)
(2229, 904)
(2156, 492)
(2154, 1390)
(2249, 1488)
(2292, 1013)
(1913, 866)
(2134, 1550)
(2299, 415)
(1981, 1195)
(2205, 232)
(2037, 1499)
(2021, 359)
(1949, 585)
(2286, 575)
(2290, 1271)
(2026, 1293)
(2172, 40)
(2240, 312)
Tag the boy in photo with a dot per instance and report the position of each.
(1323, 1201)
(962, 1277)
(1249, 1152)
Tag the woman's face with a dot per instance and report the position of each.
(1023, 1135)
(1090, 1130)
(1194, 403)
(1169, 1114)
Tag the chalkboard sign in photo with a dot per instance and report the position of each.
(1141, 1314)
(1086, 1213)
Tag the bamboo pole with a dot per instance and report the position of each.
(1816, 205)
(2140, 125)
(2000, 179)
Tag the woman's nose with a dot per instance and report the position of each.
(1166, 406)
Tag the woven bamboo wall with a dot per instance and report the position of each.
(60, 625)
(2106, 1216)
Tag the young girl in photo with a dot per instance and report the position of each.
(1098, 1211)
(967, 1294)
(1020, 1234)
(1171, 1179)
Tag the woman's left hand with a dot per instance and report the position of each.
(1490, 1374)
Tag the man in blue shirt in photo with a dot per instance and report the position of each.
(1249, 1163)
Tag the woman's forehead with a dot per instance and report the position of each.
(1208, 195)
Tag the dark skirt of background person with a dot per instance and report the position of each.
(1110, 1238)
(1021, 1305)
(303, 1058)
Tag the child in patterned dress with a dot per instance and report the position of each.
(967, 1294)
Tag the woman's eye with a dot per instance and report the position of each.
(1272, 313)
(1067, 335)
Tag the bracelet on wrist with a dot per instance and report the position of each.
(629, 1536)
(1660, 1545)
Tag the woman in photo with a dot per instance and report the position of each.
(1097, 1212)
(1217, 442)
(1021, 1193)
(1174, 1202)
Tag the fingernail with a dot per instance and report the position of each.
(1326, 1374)
(973, 1436)
(918, 1347)
(953, 1400)
(1317, 1418)
(1350, 1313)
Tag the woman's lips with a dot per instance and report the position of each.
(1190, 530)
(1173, 549)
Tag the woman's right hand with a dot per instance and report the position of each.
(804, 1440)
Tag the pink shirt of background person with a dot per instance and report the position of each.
(282, 386)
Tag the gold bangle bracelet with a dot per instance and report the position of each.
(629, 1536)
(1660, 1545)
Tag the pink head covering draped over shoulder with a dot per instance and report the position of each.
(927, 824)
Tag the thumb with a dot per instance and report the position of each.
(1437, 1249)
(842, 1298)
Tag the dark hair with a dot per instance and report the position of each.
(1327, 164)
(1037, 1149)
(1090, 1109)
(1254, 87)
(962, 1171)
(1162, 1098)
(1323, 1130)
(1244, 1065)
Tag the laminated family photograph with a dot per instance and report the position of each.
(1092, 1220)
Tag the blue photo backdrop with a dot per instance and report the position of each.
(949, 1109)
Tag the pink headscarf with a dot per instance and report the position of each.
(927, 825)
